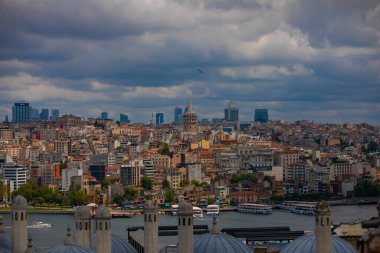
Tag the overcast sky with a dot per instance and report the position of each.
(317, 60)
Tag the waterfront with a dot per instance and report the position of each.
(49, 237)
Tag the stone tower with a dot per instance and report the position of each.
(83, 226)
(150, 227)
(185, 227)
(190, 123)
(103, 229)
(19, 224)
(323, 227)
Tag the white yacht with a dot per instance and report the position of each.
(197, 212)
(213, 210)
(40, 224)
(174, 210)
(254, 208)
(305, 208)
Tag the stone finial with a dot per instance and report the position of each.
(215, 229)
(69, 239)
(83, 212)
(185, 208)
(19, 203)
(2, 229)
(102, 212)
(323, 208)
(149, 205)
(30, 245)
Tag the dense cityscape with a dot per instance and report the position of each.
(63, 161)
(206, 126)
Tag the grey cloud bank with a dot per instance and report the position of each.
(315, 60)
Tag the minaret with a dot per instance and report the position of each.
(83, 226)
(103, 229)
(323, 227)
(19, 224)
(150, 227)
(185, 227)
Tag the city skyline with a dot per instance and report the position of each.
(132, 58)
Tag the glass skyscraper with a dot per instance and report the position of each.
(231, 113)
(21, 112)
(124, 118)
(159, 118)
(261, 115)
(44, 114)
(177, 115)
(104, 115)
(54, 114)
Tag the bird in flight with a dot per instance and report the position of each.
(200, 71)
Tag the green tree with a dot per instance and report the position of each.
(195, 183)
(242, 177)
(184, 183)
(77, 197)
(106, 182)
(29, 190)
(146, 183)
(366, 189)
(165, 184)
(130, 193)
(118, 199)
(169, 196)
(165, 149)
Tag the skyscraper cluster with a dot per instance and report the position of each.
(23, 112)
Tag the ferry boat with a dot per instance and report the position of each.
(254, 208)
(174, 210)
(304, 208)
(299, 207)
(40, 224)
(197, 212)
(212, 210)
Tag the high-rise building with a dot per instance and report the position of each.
(44, 114)
(261, 115)
(34, 114)
(104, 115)
(130, 175)
(124, 118)
(21, 112)
(231, 113)
(6, 119)
(54, 114)
(159, 118)
(98, 171)
(178, 115)
(15, 174)
(190, 123)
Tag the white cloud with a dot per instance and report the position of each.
(169, 92)
(24, 86)
(266, 71)
(96, 85)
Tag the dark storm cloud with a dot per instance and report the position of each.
(300, 59)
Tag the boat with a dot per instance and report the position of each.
(174, 210)
(254, 208)
(40, 224)
(197, 212)
(291, 205)
(305, 208)
(213, 210)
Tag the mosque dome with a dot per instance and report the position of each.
(218, 242)
(2, 250)
(70, 249)
(69, 246)
(185, 208)
(306, 244)
(102, 212)
(83, 212)
(118, 245)
(19, 202)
